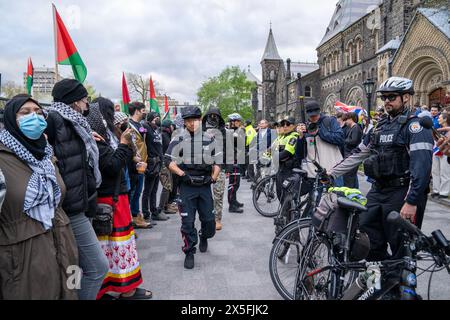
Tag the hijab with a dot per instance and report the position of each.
(35, 147)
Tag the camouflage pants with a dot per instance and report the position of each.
(166, 178)
(218, 193)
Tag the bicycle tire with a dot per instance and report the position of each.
(283, 267)
(265, 198)
(308, 285)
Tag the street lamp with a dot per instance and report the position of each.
(368, 87)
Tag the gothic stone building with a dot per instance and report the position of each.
(367, 39)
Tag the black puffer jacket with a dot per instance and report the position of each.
(73, 166)
(111, 164)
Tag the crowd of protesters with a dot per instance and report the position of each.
(65, 166)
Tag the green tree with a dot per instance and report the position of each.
(11, 89)
(230, 91)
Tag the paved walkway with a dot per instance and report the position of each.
(236, 266)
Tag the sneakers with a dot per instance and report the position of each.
(171, 209)
(203, 245)
(189, 261)
(218, 225)
(140, 223)
(235, 209)
(160, 216)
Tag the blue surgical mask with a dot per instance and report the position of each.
(32, 126)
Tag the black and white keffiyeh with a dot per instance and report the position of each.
(84, 131)
(43, 192)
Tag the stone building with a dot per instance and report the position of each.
(366, 39)
(282, 88)
(424, 56)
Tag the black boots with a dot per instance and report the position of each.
(189, 261)
(235, 209)
(203, 245)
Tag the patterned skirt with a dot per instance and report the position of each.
(120, 248)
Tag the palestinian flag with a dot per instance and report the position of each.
(166, 107)
(125, 96)
(153, 102)
(66, 52)
(29, 76)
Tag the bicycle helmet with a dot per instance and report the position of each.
(397, 85)
(235, 117)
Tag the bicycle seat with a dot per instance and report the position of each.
(301, 172)
(345, 203)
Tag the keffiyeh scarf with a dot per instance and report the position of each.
(43, 192)
(84, 131)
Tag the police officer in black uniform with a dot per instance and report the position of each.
(191, 155)
(398, 157)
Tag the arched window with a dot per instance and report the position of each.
(325, 67)
(308, 92)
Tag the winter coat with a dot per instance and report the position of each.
(111, 163)
(73, 166)
(33, 262)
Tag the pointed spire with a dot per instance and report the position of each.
(271, 51)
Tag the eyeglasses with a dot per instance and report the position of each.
(391, 97)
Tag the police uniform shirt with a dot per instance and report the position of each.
(194, 154)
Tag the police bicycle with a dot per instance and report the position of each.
(328, 271)
(264, 196)
(294, 225)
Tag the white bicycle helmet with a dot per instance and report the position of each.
(397, 85)
(235, 117)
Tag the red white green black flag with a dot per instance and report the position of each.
(29, 76)
(66, 52)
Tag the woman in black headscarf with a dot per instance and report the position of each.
(124, 274)
(35, 228)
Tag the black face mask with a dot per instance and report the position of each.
(124, 126)
(213, 121)
(158, 123)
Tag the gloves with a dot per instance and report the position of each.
(186, 179)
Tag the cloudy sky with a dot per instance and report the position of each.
(181, 43)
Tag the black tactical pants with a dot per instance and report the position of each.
(233, 185)
(193, 199)
(381, 202)
(151, 184)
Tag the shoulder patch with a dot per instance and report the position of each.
(293, 141)
(415, 127)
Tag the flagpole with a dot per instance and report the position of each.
(56, 44)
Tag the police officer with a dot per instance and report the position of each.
(398, 157)
(192, 157)
(286, 147)
(236, 138)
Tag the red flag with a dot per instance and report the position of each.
(66, 52)
(166, 104)
(29, 76)
(125, 95)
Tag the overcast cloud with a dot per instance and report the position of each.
(181, 43)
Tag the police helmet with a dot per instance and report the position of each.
(191, 112)
(235, 117)
(397, 85)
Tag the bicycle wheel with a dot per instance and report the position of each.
(265, 198)
(285, 256)
(313, 281)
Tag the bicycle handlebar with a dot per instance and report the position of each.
(395, 218)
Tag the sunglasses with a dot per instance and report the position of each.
(285, 124)
(391, 97)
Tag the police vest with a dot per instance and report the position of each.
(389, 157)
(197, 165)
(288, 143)
(250, 134)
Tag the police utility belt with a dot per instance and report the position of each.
(393, 183)
(199, 181)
